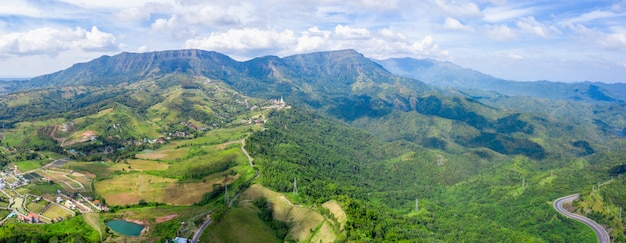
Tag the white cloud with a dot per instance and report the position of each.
(132, 14)
(20, 7)
(244, 40)
(504, 13)
(116, 4)
(250, 42)
(50, 41)
(458, 8)
(590, 16)
(612, 41)
(97, 40)
(346, 32)
(501, 33)
(597, 38)
(453, 24)
(143, 48)
(186, 21)
(531, 26)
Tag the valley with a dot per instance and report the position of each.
(327, 146)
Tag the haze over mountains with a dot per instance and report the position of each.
(448, 75)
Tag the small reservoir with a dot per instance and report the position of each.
(124, 227)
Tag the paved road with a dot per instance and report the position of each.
(196, 235)
(603, 236)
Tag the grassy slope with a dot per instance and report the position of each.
(239, 225)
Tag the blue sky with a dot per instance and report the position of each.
(566, 41)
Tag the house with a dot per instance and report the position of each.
(160, 140)
(59, 200)
(180, 240)
(33, 218)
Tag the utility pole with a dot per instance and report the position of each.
(598, 186)
(620, 212)
(593, 189)
(551, 173)
(295, 187)
(226, 193)
(417, 208)
(523, 182)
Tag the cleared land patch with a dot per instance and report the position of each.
(337, 212)
(129, 188)
(141, 165)
(306, 222)
(239, 225)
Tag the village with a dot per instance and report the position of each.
(17, 203)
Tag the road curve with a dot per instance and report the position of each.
(196, 235)
(603, 236)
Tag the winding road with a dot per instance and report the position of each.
(603, 236)
(196, 235)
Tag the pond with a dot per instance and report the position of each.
(124, 227)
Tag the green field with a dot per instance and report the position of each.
(4, 213)
(239, 225)
(55, 211)
(28, 165)
(36, 207)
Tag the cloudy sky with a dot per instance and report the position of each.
(574, 40)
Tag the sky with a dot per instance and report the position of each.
(566, 41)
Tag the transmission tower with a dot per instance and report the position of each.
(295, 187)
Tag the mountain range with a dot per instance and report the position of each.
(353, 88)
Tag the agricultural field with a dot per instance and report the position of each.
(101, 170)
(126, 189)
(60, 177)
(42, 188)
(141, 165)
(4, 213)
(163, 154)
(55, 211)
(17, 204)
(36, 207)
(29, 165)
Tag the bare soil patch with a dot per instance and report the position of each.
(166, 218)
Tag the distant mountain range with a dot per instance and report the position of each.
(449, 75)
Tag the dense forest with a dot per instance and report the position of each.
(461, 197)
